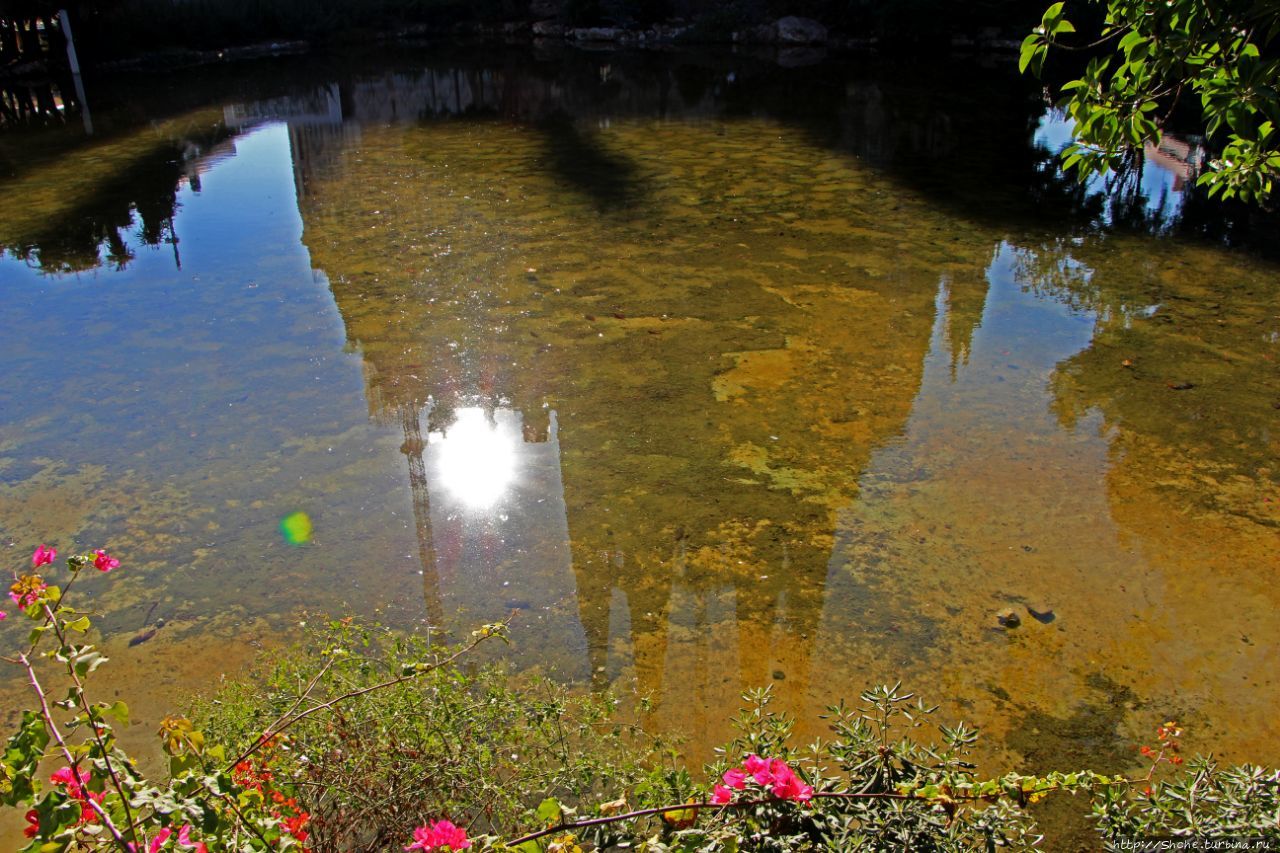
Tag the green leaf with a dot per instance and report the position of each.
(87, 662)
(118, 710)
(550, 811)
(1031, 53)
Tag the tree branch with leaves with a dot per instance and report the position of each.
(1151, 61)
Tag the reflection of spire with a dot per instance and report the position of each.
(963, 300)
(413, 447)
(624, 605)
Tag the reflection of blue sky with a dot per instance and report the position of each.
(219, 396)
(1161, 184)
(971, 495)
(165, 361)
(215, 399)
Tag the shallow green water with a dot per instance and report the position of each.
(717, 373)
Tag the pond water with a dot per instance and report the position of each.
(718, 370)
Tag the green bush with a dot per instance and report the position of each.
(471, 743)
(362, 738)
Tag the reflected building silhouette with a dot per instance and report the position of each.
(103, 220)
(490, 525)
(681, 469)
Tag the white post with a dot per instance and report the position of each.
(64, 21)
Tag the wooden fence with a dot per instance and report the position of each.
(30, 32)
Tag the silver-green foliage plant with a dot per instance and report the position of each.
(1151, 58)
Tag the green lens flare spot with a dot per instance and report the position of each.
(296, 528)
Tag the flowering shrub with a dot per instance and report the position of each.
(96, 798)
(476, 749)
(369, 740)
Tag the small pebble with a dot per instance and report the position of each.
(1008, 618)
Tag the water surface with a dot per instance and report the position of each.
(718, 373)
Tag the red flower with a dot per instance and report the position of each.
(787, 785)
(294, 826)
(43, 556)
(439, 835)
(759, 769)
(33, 824)
(104, 562)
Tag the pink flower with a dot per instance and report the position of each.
(720, 795)
(439, 835)
(3, 616)
(73, 778)
(735, 778)
(184, 840)
(787, 785)
(104, 562)
(759, 768)
(161, 837)
(42, 556)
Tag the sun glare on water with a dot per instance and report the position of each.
(476, 459)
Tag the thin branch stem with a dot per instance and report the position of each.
(286, 722)
(66, 752)
(721, 807)
(83, 702)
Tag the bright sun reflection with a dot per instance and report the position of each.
(476, 458)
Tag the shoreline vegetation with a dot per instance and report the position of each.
(366, 738)
(162, 34)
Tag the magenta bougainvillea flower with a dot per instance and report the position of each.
(773, 774)
(73, 778)
(735, 778)
(787, 785)
(184, 840)
(439, 835)
(759, 769)
(43, 556)
(104, 562)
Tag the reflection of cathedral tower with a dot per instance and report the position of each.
(962, 300)
(492, 538)
(678, 542)
(412, 448)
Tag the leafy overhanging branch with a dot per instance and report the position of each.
(1220, 52)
